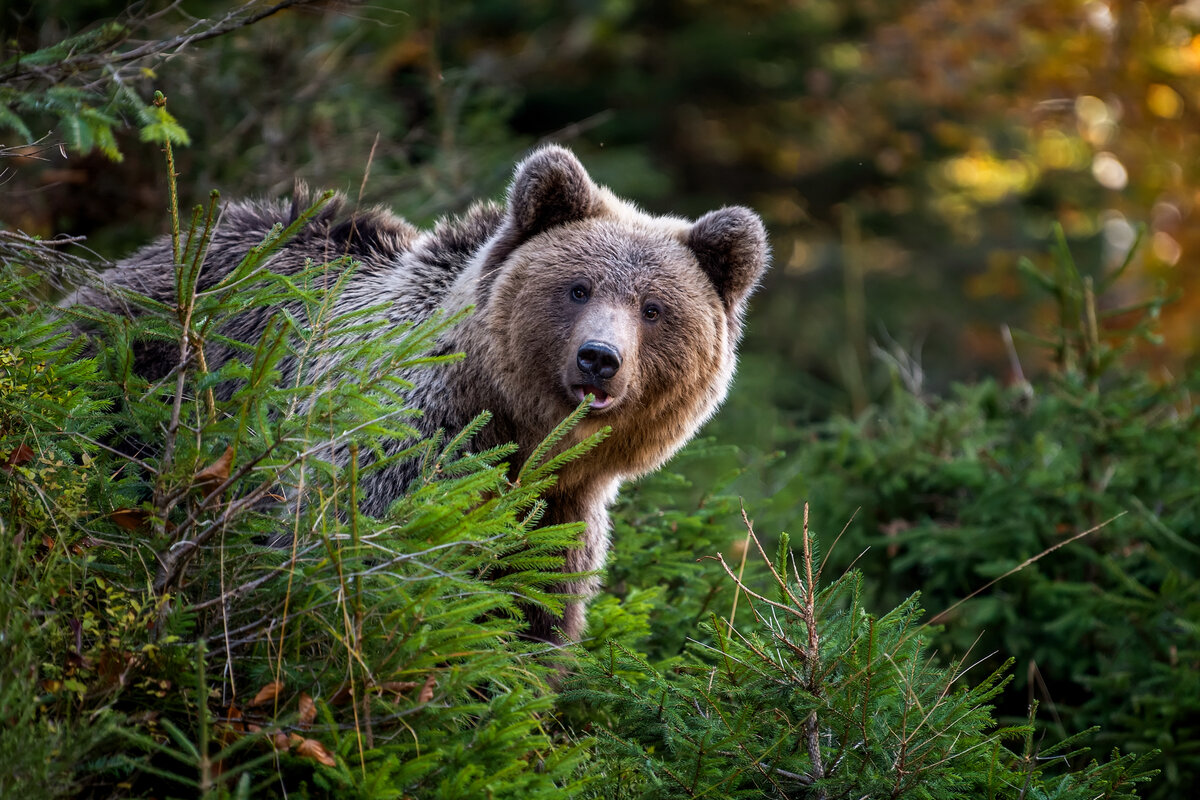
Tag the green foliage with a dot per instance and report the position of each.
(665, 529)
(88, 116)
(192, 605)
(954, 493)
(160, 645)
(365, 658)
(82, 120)
(47, 467)
(813, 696)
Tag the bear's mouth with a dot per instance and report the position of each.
(601, 398)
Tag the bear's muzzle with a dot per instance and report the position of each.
(598, 362)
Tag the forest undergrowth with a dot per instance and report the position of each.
(156, 644)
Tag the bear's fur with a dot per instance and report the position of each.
(576, 291)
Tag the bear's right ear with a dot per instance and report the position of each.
(549, 188)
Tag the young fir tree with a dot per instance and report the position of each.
(809, 695)
(955, 492)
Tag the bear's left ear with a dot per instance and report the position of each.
(731, 246)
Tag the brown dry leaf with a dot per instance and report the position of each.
(75, 660)
(130, 519)
(399, 686)
(311, 748)
(267, 693)
(281, 741)
(111, 666)
(427, 690)
(83, 544)
(23, 454)
(308, 711)
(215, 473)
(342, 696)
(232, 728)
(234, 715)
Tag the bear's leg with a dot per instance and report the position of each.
(589, 557)
(544, 626)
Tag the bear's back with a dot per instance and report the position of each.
(397, 263)
(399, 266)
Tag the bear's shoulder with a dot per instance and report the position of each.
(455, 240)
(419, 282)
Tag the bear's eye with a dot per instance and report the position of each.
(651, 312)
(579, 293)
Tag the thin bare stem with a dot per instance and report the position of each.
(737, 591)
(782, 582)
(1033, 559)
(812, 724)
(750, 592)
(828, 550)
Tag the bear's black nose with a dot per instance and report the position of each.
(599, 360)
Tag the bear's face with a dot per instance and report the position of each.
(622, 312)
(584, 294)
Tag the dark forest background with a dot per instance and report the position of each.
(905, 155)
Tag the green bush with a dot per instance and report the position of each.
(956, 492)
(159, 645)
(813, 696)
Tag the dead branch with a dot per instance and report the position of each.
(203, 30)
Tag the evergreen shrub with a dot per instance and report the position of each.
(950, 494)
(159, 641)
(156, 640)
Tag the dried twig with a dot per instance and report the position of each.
(1032, 559)
(741, 568)
(64, 69)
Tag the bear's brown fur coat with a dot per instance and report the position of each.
(576, 292)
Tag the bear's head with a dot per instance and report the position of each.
(584, 294)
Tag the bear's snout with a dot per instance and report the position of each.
(598, 360)
(597, 363)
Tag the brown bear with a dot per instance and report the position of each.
(576, 292)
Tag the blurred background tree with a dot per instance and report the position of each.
(905, 154)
